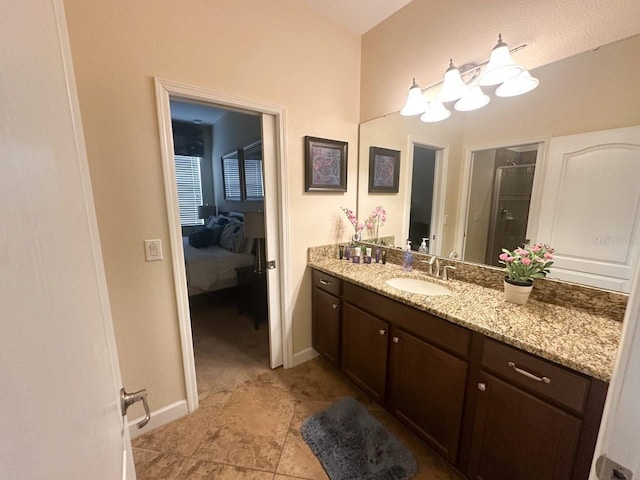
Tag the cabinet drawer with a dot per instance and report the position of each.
(327, 283)
(537, 375)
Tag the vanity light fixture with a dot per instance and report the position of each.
(473, 100)
(435, 112)
(416, 103)
(461, 85)
(501, 67)
(519, 85)
(453, 87)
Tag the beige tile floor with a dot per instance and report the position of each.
(251, 430)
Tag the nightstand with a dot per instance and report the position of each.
(252, 290)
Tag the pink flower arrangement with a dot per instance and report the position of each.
(375, 221)
(525, 264)
(357, 226)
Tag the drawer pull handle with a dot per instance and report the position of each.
(334, 305)
(529, 375)
(396, 339)
(482, 387)
(382, 331)
(324, 282)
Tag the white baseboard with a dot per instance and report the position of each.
(159, 417)
(304, 356)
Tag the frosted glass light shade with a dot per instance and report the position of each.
(436, 112)
(501, 67)
(519, 85)
(473, 100)
(453, 87)
(416, 103)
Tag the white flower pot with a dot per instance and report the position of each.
(517, 293)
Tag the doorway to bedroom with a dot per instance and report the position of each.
(219, 181)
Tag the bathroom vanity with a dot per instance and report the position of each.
(501, 391)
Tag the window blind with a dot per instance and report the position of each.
(242, 174)
(253, 179)
(189, 185)
(231, 174)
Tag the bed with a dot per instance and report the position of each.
(213, 267)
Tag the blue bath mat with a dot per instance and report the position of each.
(352, 445)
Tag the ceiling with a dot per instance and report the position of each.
(358, 16)
(188, 112)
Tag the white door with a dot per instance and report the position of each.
(59, 378)
(271, 241)
(619, 437)
(590, 212)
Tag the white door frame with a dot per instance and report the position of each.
(465, 185)
(439, 190)
(164, 90)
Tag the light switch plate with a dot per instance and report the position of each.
(153, 250)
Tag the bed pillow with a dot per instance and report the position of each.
(232, 237)
(201, 238)
(238, 215)
(217, 220)
(216, 232)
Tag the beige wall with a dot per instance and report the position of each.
(275, 52)
(482, 176)
(233, 131)
(420, 38)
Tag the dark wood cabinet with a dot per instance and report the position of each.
(364, 350)
(326, 314)
(490, 409)
(427, 391)
(517, 435)
(533, 419)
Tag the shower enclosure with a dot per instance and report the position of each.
(498, 201)
(509, 209)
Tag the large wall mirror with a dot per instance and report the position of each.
(558, 165)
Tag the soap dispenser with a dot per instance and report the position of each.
(407, 259)
(423, 246)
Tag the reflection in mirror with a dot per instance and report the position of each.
(595, 91)
(498, 202)
(420, 220)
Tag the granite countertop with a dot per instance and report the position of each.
(574, 338)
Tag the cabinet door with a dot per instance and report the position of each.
(364, 350)
(427, 391)
(519, 436)
(326, 325)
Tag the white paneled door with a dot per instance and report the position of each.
(590, 212)
(59, 377)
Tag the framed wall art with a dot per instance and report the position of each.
(325, 165)
(384, 170)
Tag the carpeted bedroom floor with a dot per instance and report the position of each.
(227, 348)
(248, 423)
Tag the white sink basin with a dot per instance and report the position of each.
(415, 285)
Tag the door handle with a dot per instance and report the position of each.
(128, 399)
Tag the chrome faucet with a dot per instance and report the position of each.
(434, 266)
(445, 271)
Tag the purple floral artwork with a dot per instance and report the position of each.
(326, 165)
(384, 171)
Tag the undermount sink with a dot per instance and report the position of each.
(415, 285)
